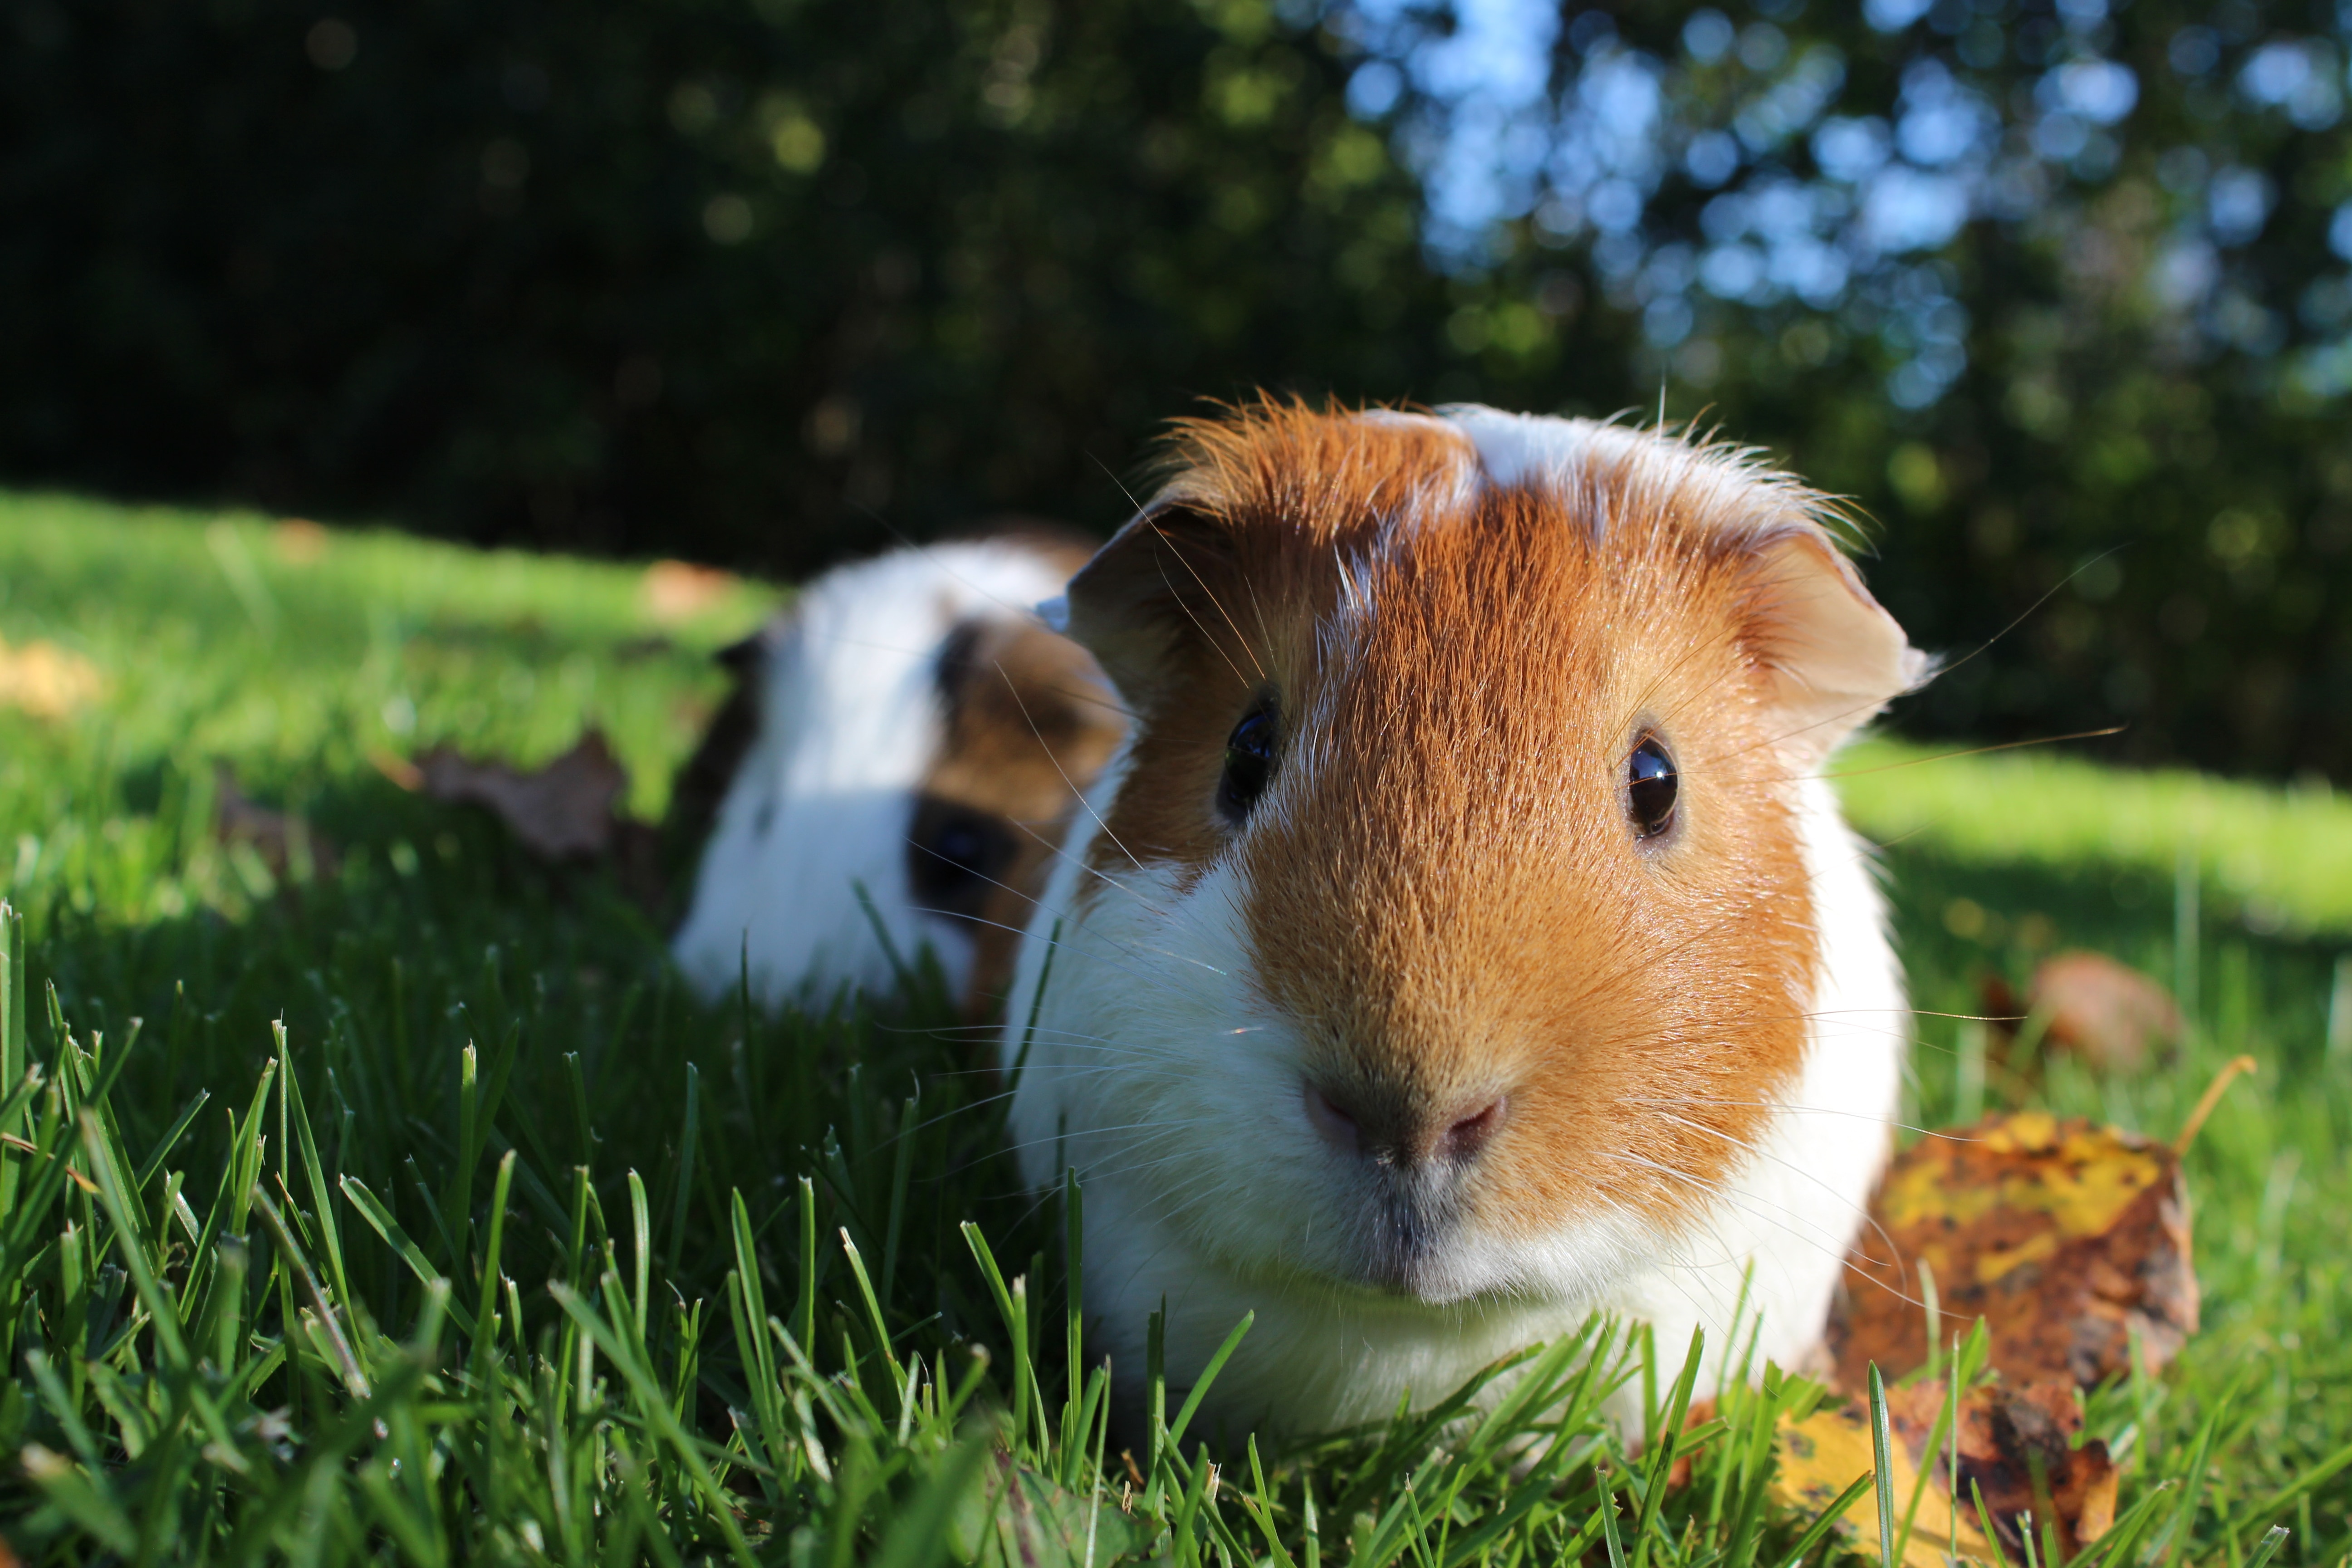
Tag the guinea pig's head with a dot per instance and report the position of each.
(1450, 916)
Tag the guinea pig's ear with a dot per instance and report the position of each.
(1835, 655)
(1136, 599)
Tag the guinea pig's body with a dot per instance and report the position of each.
(1463, 939)
(908, 731)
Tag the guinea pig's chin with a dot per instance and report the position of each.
(1411, 1237)
(1436, 1254)
(1437, 1276)
(1444, 1272)
(1395, 1251)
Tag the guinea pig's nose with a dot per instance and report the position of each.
(1337, 1128)
(1410, 1135)
(1467, 1134)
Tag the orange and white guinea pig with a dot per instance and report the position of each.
(906, 730)
(1463, 938)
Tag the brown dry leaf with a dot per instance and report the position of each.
(676, 591)
(560, 812)
(2013, 1447)
(46, 680)
(2065, 1238)
(2108, 1013)
(298, 541)
(283, 841)
(397, 768)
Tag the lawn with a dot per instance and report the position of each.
(390, 1201)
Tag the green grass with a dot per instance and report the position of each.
(2279, 861)
(411, 1211)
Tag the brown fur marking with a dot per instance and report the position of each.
(1030, 723)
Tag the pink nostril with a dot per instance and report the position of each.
(1472, 1132)
(1339, 1129)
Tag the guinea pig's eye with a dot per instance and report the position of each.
(1249, 764)
(956, 857)
(1651, 786)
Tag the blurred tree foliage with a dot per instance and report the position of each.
(2059, 293)
(766, 281)
(735, 279)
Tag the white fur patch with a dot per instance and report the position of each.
(849, 724)
(1525, 448)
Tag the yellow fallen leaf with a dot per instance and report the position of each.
(46, 680)
(2067, 1239)
(1830, 1449)
(299, 541)
(2014, 1447)
(677, 590)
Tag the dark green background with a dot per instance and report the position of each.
(572, 276)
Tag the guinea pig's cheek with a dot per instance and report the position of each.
(1159, 1070)
(1268, 1188)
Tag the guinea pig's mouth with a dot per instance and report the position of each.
(1412, 1225)
(1407, 1176)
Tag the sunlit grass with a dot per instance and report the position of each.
(2279, 859)
(618, 1277)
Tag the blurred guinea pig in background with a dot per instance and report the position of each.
(906, 729)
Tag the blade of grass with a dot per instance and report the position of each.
(640, 1243)
(458, 1198)
(1036, 1005)
(804, 1304)
(1609, 1525)
(13, 1065)
(873, 1309)
(322, 1194)
(1826, 1521)
(689, 1148)
(164, 1146)
(656, 1409)
(2115, 1547)
(381, 1221)
(1669, 1442)
(1919, 1481)
(163, 1312)
(1016, 1324)
(1881, 1453)
(1200, 1385)
(299, 1267)
(2192, 1492)
(486, 1338)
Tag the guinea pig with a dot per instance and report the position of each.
(905, 730)
(1465, 938)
